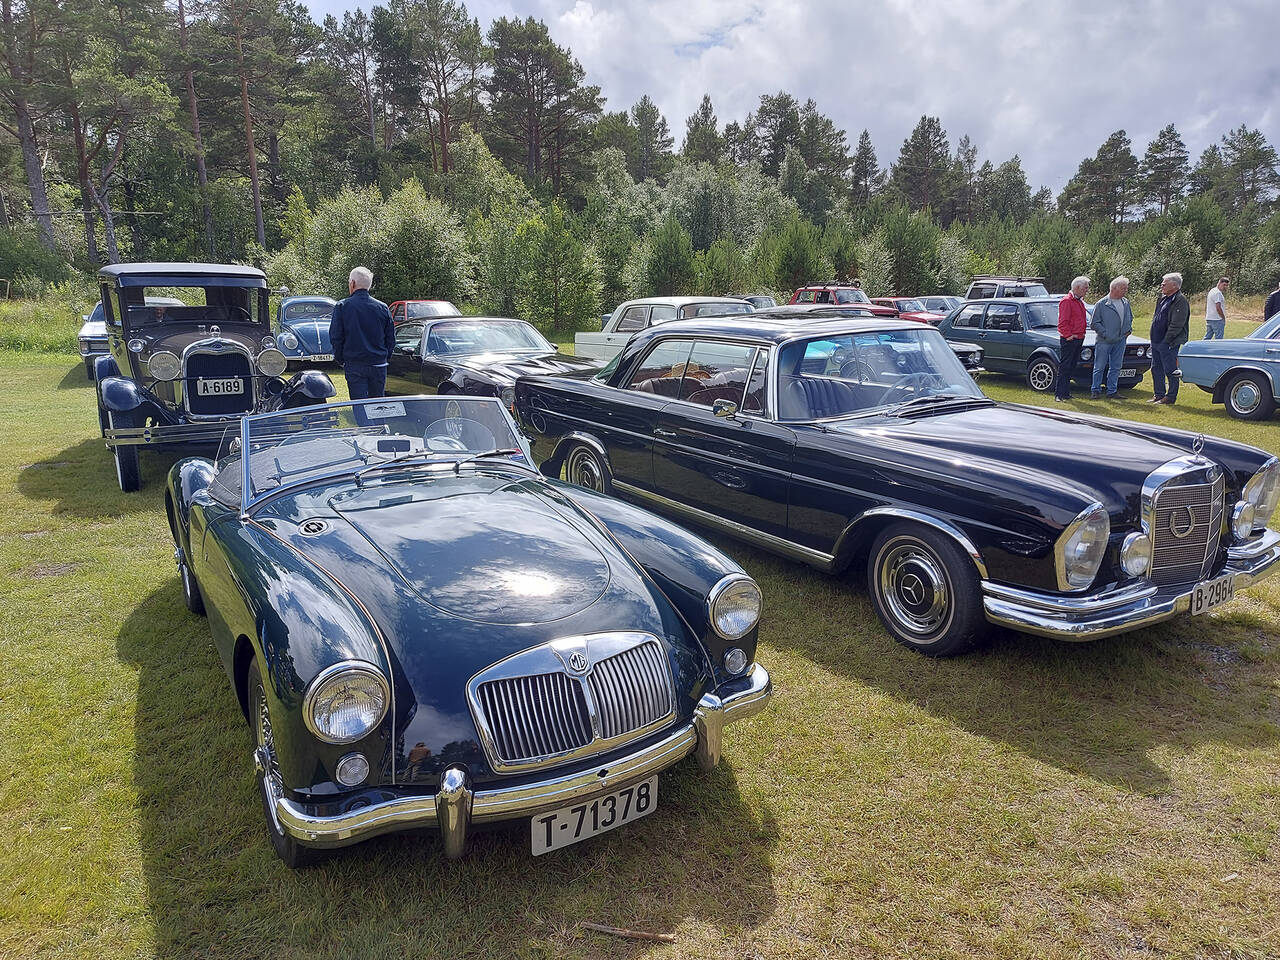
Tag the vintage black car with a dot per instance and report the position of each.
(1020, 337)
(479, 356)
(425, 632)
(185, 374)
(863, 444)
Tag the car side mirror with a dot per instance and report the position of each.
(724, 408)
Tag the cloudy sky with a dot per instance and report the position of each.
(1046, 80)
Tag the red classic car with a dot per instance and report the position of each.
(909, 308)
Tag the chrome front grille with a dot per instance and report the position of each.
(537, 716)
(217, 365)
(571, 698)
(1186, 530)
(631, 690)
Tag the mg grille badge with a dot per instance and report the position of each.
(578, 662)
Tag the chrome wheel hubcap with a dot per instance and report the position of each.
(1245, 396)
(585, 471)
(914, 588)
(1041, 376)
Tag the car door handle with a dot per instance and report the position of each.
(1273, 349)
(659, 432)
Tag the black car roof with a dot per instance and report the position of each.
(1015, 300)
(115, 270)
(763, 325)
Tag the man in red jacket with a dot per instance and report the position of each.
(1073, 321)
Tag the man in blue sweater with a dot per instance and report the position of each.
(363, 337)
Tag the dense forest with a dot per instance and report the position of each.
(479, 164)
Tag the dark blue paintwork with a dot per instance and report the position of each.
(1009, 477)
(312, 331)
(423, 578)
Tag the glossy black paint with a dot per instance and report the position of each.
(432, 577)
(1009, 477)
(414, 370)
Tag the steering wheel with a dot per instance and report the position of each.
(441, 443)
(914, 383)
(857, 369)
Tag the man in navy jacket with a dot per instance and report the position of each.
(363, 337)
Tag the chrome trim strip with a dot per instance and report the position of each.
(743, 698)
(944, 526)
(1119, 610)
(205, 431)
(824, 561)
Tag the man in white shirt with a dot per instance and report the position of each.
(1215, 311)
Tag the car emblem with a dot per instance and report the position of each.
(578, 662)
(1181, 522)
(574, 655)
(1197, 445)
(912, 589)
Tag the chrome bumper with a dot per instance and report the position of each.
(200, 432)
(456, 806)
(1124, 608)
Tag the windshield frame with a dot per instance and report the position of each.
(249, 502)
(1267, 330)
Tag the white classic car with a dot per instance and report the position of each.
(636, 315)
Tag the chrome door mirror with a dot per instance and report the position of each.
(724, 408)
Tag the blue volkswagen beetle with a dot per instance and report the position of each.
(302, 328)
(1244, 375)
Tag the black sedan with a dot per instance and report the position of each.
(479, 356)
(423, 632)
(863, 444)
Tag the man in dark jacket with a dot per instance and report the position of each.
(1169, 331)
(1273, 304)
(363, 337)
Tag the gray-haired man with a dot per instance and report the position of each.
(363, 337)
(1112, 322)
(1168, 334)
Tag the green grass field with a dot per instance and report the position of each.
(1035, 799)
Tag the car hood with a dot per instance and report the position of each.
(96, 329)
(1050, 334)
(509, 367)
(312, 333)
(1242, 347)
(1021, 449)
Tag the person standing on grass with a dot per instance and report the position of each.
(1073, 321)
(1215, 311)
(1112, 322)
(363, 337)
(1273, 304)
(1168, 334)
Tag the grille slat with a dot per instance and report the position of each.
(218, 366)
(544, 716)
(1191, 557)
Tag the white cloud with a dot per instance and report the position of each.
(1048, 81)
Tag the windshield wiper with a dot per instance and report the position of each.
(413, 455)
(501, 452)
(906, 405)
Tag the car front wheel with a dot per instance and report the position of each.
(1042, 375)
(925, 590)
(191, 594)
(289, 850)
(1248, 397)
(128, 472)
(583, 468)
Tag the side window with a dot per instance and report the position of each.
(108, 306)
(1002, 316)
(662, 313)
(982, 291)
(408, 335)
(633, 319)
(824, 296)
(806, 296)
(716, 371)
(397, 312)
(757, 385)
(969, 317)
(662, 369)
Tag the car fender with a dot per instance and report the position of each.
(311, 384)
(103, 367)
(551, 466)
(857, 536)
(1044, 350)
(121, 394)
(1220, 385)
(187, 478)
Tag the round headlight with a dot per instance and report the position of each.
(136, 345)
(1086, 353)
(268, 343)
(509, 397)
(977, 355)
(164, 365)
(345, 702)
(288, 341)
(734, 606)
(735, 660)
(1263, 491)
(1135, 554)
(352, 770)
(1242, 518)
(1081, 547)
(272, 363)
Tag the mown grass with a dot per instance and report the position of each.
(1036, 799)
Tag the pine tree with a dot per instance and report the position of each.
(1165, 169)
(1105, 185)
(653, 137)
(671, 262)
(1251, 167)
(921, 174)
(702, 140)
(775, 126)
(864, 174)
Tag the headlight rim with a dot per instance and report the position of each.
(325, 676)
(159, 375)
(288, 339)
(1262, 518)
(283, 365)
(1083, 518)
(721, 587)
(1243, 509)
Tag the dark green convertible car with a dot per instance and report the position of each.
(423, 631)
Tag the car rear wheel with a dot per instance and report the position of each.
(1248, 397)
(925, 590)
(128, 472)
(583, 468)
(1042, 375)
(289, 850)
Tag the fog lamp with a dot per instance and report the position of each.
(735, 660)
(1086, 353)
(353, 770)
(1135, 554)
(1242, 520)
